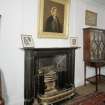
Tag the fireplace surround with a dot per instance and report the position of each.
(48, 74)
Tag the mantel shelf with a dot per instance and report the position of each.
(49, 48)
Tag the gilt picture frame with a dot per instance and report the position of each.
(53, 20)
(90, 18)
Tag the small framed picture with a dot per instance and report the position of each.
(73, 41)
(27, 40)
(90, 18)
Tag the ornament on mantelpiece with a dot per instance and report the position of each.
(73, 41)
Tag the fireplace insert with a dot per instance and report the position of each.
(49, 74)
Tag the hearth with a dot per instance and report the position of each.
(49, 74)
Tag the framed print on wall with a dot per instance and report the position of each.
(90, 18)
(53, 20)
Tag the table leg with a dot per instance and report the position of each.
(96, 79)
(84, 74)
(99, 72)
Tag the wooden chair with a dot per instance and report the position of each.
(1, 99)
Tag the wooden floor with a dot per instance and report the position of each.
(84, 90)
(89, 88)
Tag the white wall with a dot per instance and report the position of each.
(11, 56)
(21, 16)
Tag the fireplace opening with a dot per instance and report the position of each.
(52, 69)
(52, 75)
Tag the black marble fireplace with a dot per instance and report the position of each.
(49, 74)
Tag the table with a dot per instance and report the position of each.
(97, 64)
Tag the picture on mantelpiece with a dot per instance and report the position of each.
(27, 40)
(73, 41)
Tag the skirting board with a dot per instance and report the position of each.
(16, 102)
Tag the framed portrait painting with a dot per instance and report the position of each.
(53, 20)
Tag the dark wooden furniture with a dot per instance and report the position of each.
(1, 99)
(94, 52)
(34, 81)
